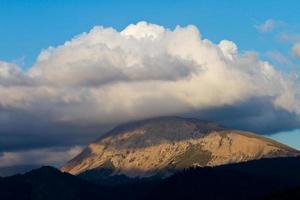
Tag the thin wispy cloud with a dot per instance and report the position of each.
(289, 37)
(278, 57)
(296, 50)
(268, 26)
(47, 156)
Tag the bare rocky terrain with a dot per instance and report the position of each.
(167, 144)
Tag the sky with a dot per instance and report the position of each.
(71, 70)
(28, 26)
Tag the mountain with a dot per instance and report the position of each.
(164, 145)
(275, 178)
(48, 183)
(271, 178)
(288, 194)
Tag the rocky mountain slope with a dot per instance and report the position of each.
(166, 144)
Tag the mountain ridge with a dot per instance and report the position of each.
(167, 144)
(253, 180)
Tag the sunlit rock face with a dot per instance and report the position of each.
(167, 144)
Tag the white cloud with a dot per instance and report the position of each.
(145, 70)
(107, 77)
(11, 74)
(268, 26)
(278, 57)
(296, 50)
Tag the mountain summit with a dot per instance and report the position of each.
(166, 144)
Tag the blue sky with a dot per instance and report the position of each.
(292, 138)
(28, 26)
(269, 28)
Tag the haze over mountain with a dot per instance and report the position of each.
(166, 144)
(18, 169)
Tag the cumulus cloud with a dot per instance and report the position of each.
(11, 75)
(105, 77)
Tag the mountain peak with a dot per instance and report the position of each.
(167, 144)
(170, 128)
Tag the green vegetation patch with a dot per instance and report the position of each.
(194, 155)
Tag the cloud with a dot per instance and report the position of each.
(278, 57)
(296, 50)
(46, 156)
(289, 37)
(256, 114)
(11, 75)
(76, 91)
(268, 26)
